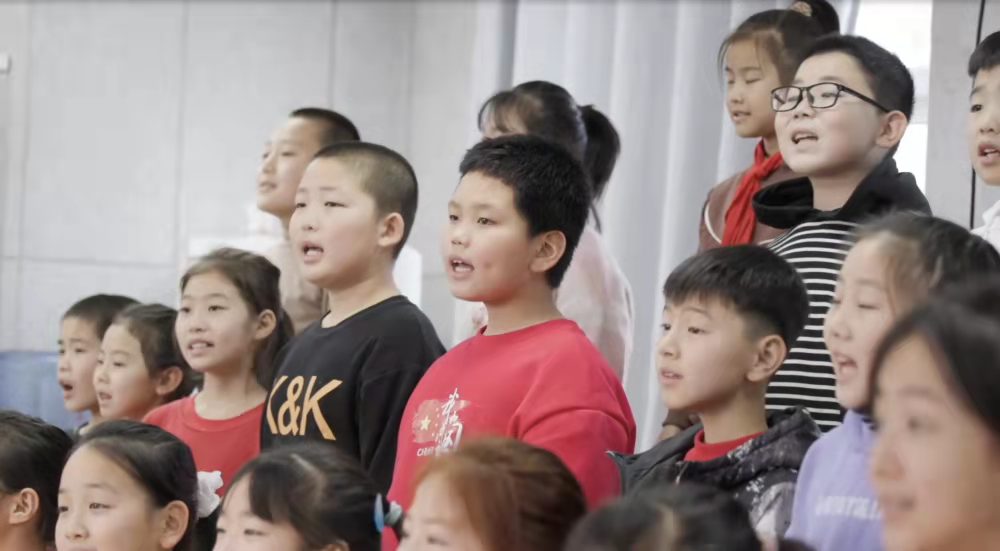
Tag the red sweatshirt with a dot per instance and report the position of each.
(546, 385)
(217, 445)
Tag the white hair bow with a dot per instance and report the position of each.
(208, 500)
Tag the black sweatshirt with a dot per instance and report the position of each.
(348, 384)
(816, 245)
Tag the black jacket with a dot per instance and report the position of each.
(760, 474)
(885, 189)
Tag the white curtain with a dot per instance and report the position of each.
(651, 67)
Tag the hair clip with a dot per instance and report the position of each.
(381, 518)
(802, 7)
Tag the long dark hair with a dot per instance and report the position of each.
(156, 459)
(256, 279)
(548, 111)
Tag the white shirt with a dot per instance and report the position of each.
(990, 230)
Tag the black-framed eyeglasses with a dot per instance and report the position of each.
(821, 95)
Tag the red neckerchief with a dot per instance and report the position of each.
(740, 218)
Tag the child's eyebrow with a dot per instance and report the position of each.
(187, 296)
(474, 206)
(869, 282)
(100, 486)
(976, 90)
(920, 393)
(742, 69)
(695, 309)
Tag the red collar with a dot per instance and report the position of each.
(707, 452)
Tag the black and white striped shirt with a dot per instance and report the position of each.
(817, 251)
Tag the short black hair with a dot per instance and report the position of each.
(385, 175)
(32, 453)
(550, 187)
(99, 310)
(760, 285)
(319, 490)
(337, 127)
(682, 517)
(885, 73)
(986, 55)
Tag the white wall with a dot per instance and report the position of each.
(127, 128)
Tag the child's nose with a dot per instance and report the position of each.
(834, 326)
(991, 122)
(195, 323)
(803, 109)
(666, 346)
(883, 464)
(734, 95)
(458, 235)
(303, 219)
(267, 163)
(76, 530)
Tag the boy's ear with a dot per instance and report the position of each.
(391, 230)
(24, 508)
(174, 521)
(168, 380)
(894, 125)
(266, 323)
(770, 354)
(549, 248)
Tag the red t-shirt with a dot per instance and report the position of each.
(707, 452)
(218, 445)
(546, 385)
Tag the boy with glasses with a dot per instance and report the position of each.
(838, 125)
